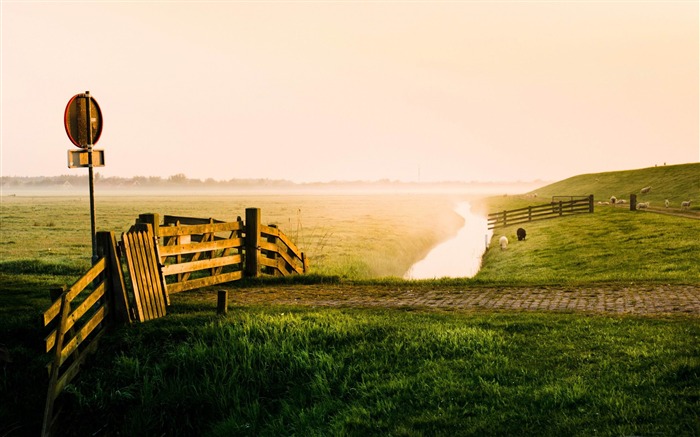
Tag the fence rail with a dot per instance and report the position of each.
(556, 208)
(78, 318)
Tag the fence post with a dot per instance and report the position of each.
(152, 219)
(222, 303)
(561, 208)
(252, 242)
(116, 289)
(590, 204)
(505, 221)
(529, 213)
(633, 202)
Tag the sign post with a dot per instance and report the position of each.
(83, 122)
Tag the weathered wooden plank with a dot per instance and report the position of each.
(76, 314)
(118, 296)
(194, 266)
(140, 274)
(171, 231)
(264, 245)
(156, 289)
(151, 276)
(82, 334)
(127, 244)
(75, 289)
(55, 367)
(204, 282)
(73, 369)
(201, 247)
(275, 232)
(159, 271)
(168, 219)
(203, 239)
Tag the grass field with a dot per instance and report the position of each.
(279, 370)
(351, 236)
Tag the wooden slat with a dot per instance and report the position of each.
(73, 369)
(127, 244)
(75, 289)
(275, 232)
(140, 273)
(200, 247)
(194, 266)
(171, 231)
(86, 329)
(204, 282)
(157, 292)
(168, 219)
(50, 339)
(272, 247)
(159, 272)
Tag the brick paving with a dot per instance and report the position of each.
(635, 299)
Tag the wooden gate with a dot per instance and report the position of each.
(141, 253)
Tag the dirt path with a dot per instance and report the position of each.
(607, 299)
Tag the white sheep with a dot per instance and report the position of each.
(646, 190)
(686, 204)
(503, 241)
(613, 199)
(621, 201)
(667, 203)
(643, 205)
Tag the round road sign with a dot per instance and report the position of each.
(75, 119)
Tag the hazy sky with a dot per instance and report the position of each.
(321, 90)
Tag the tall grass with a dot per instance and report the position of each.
(292, 371)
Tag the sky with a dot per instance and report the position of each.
(317, 91)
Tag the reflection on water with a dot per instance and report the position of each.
(458, 257)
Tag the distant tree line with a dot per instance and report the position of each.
(178, 180)
(182, 181)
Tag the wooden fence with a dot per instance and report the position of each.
(181, 254)
(79, 317)
(196, 253)
(558, 207)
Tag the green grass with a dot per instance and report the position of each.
(611, 245)
(292, 371)
(350, 236)
(673, 182)
(277, 370)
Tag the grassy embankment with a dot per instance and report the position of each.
(284, 370)
(612, 245)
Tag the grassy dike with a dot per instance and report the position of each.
(279, 370)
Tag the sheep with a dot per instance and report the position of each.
(667, 203)
(621, 201)
(686, 204)
(503, 241)
(521, 234)
(613, 199)
(643, 205)
(645, 190)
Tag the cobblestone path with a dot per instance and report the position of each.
(607, 299)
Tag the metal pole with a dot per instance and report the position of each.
(91, 178)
